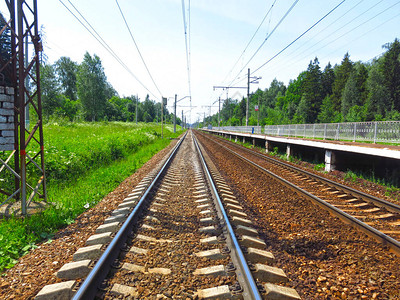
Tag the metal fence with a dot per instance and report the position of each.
(388, 131)
(245, 129)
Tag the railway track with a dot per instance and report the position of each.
(180, 234)
(376, 217)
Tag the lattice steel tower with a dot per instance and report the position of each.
(19, 93)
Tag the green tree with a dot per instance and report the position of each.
(351, 95)
(327, 80)
(288, 105)
(361, 78)
(70, 108)
(5, 53)
(304, 112)
(378, 100)
(93, 88)
(356, 113)
(342, 73)
(276, 87)
(391, 72)
(150, 111)
(327, 113)
(50, 89)
(66, 71)
(240, 111)
(312, 88)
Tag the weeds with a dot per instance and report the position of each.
(351, 176)
(319, 167)
(84, 163)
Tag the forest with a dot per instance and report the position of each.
(81, 92)
(348, 92)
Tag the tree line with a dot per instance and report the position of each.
(347, 92)
(82, 92)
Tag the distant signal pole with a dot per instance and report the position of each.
(137, 101)
(250, 80)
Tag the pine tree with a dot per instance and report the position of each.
(351, 95)
(342, 73)
(391, 72)
(327, 80)
(327, 113)
(361, 78)
(312, 87)
(378, 100)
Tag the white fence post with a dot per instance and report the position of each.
(313, 131)
(375, 130)
(337, 131)
(355, 131)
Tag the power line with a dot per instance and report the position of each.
(366, 22)
(137, 48)
(330, 35)
(265, 40)
(103, 43)
(354, 28)
(319, 32)
(187, 47)
(259, 26)
(301, 35)
(290, 62)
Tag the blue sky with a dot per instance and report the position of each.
(219, 32)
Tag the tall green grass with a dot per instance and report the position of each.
(84, 162)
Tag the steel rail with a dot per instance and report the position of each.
(89, 287)
(393, 244)
(250, 290)
(356, 193)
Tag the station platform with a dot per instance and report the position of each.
(335, 154)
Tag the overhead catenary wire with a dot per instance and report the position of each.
(188, 65)
(265, 40)
(137, 47)
(375, 28)
(296, 39)
(341, 27)
(251, 39)
(104, 44)
(363, 23)
(294, 60)
(326, 27)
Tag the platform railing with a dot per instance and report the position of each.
(385, 131)
(244, 129)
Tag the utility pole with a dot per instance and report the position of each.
(248, 96)
(137, 100)
(219, 111)
(162, 115)
(258, 111)
(175, 115)
(204, 119)
(249, 80)
(183, 124)
(241, 87)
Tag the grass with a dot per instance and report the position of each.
(391, 184)
(85, 162)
